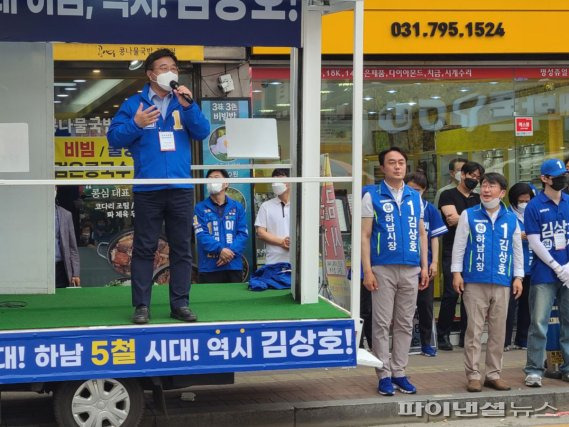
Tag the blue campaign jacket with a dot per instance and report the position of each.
(489, 253)
(144, 143)
(214, 233)
(528, 253)
(395, 232)
(434, 225)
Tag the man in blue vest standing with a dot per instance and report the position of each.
(394, 262)
(487, 243)
(546, 219)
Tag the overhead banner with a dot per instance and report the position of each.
(175, 22)
(174, 350)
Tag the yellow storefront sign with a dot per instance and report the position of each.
(445, 27)
(90, 157)
(120, 52)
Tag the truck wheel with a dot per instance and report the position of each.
(99, 403)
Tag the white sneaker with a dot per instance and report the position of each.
(533, 380)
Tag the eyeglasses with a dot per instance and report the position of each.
(488, 185)
(165, 68)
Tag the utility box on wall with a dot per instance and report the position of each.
(26, 152)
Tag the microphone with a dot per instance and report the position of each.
(175, 85)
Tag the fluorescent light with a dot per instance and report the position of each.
(494, 83)
(435, 97)
(345, 84)
(57, 102)
(412, 103)
(283, 105)
(391, 91)
(257, 91)
(96, 71)
(64, 84)
(372, 112)
(266, 111)
(105, 112)
(325, 91)
(327, 110)
(70, 88)
(116, 106)
(464, 89)
(276, 83)
(62, 95)
(79, 81)
(368, 98)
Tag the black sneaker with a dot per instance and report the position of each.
(184, 314)
(444, 343)
(141, 315)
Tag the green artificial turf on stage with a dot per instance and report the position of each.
(111, 306)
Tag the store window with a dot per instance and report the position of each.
(507, 119)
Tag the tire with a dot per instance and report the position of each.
(101, 403)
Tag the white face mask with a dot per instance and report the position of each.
(214, 187)
(492, 203)
(163, 80)
(279, 188)
(522, 207)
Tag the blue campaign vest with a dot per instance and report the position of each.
(489, 255)
(395, 233)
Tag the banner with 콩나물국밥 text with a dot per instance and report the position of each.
(79, 353)
(90, 151)
(175, 22)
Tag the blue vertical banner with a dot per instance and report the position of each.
(214, 152)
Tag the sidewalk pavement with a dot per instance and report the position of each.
(348, 397)
(334, 397)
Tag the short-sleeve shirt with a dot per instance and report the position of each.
(460, 202)
(545, 218)
(274, 216)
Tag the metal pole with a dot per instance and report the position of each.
(310, 151)
(357, 117)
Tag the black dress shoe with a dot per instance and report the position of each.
(444, 343)
(141, 315)
(184, 314)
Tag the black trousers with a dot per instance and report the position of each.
(175, 208)
(61, 279)
(523, 316)
(366, 315)
(448, 303)
(224, 276)
(425, 311)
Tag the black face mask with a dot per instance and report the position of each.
(559, 182)
(470, 183)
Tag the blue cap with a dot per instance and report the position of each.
(553, 167)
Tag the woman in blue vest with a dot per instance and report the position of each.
(486, 255)
(519, 196)
(435, 227)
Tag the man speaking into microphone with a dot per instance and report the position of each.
(158, 126)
